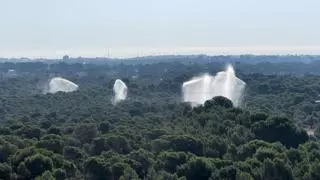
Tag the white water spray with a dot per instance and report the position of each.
(120, 91)
(60, 84)
(205, 87)
(11, 73)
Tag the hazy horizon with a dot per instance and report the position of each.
(102, 28)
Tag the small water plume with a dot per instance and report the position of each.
(202, 88)
(11, 73)
(57, 84)
(120, 90)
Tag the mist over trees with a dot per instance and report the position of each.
(153, 134)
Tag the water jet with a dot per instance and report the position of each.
(120, 90)
(57, 84)
(202, 88)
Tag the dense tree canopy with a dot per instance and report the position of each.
(152, 134)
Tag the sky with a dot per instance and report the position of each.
(129, 28)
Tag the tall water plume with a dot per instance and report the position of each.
(120, 91)
(202, 88)
(57, 84)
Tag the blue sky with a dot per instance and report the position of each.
(39, 28)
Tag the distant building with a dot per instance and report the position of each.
(65, 58)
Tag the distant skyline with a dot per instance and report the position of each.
(126, 28)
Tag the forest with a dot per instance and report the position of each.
(153, 135)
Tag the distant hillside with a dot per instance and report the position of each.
(252, 59)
